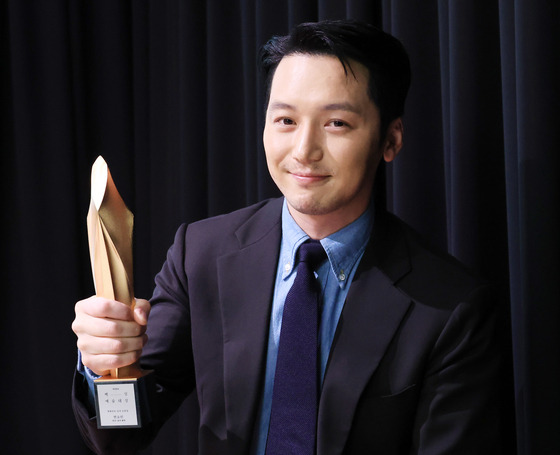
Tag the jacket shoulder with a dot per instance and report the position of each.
(433, 276)
(227, 225)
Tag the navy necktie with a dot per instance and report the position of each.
(293, 418)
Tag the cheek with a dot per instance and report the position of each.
(269, 148)
(355, 159)
(275, 149)
(273, 161)
(358, 168)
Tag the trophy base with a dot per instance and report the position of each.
(123, 402)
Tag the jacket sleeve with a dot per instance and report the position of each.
(168, 353)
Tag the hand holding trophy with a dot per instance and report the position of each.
(120, 397)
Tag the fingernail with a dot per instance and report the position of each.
(141, 314)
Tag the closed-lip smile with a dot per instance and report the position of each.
(307, 177)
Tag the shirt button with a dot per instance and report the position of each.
(287, 267)
(341, 275)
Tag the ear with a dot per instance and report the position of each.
(393, 140)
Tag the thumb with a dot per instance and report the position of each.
(141, 311)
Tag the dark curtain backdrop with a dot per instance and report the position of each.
(168, 92)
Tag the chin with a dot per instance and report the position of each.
(313, 207)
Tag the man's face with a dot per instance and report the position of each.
(321, 138)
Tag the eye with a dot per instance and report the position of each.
(337, 123)
(286, 121)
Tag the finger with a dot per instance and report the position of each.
(102, 364)
(141, 311)
(109, 328)
(104, 308)
(100, 345)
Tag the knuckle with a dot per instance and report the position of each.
(82, 346)
(103, 307)
(87, 360)
(113, 328)
(145, 304)
(113, 361)
(116, 346)
(83, 305)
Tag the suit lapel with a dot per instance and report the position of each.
(372, 313)
(246, 283)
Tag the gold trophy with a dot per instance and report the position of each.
(120, 397)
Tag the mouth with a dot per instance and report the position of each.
(307, 178)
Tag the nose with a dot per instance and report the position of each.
(308, 144)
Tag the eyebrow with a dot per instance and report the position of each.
(341, 107)
(279, 105)
(327, 107)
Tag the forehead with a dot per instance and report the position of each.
(322, 76)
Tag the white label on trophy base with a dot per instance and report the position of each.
(116, 404)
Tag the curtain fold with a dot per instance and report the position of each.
(169, 93)
(530, 42)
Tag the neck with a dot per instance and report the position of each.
(318, 227)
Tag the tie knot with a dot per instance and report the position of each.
(311, 252)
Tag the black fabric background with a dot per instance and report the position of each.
(168, 92)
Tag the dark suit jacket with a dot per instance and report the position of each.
(411, 370)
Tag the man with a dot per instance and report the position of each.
(406, 362)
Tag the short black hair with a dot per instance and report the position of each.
(382, 54)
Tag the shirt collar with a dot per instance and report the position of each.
(343, 247)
